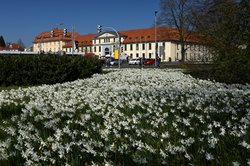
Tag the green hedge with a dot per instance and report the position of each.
(23, 70)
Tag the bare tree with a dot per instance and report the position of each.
(20, 43)
(176, 14)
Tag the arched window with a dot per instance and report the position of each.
(106, 51)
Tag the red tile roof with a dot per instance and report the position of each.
(58, 35)
(83, 40)
(162, 33)
(1, 48)
(141, 35)
(12, 46)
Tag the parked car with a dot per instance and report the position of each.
(114, 62)
(149, 62)
(136, 61)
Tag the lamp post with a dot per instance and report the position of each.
(142, 58)
(73, 39)
(119, 44)
(59, 38)
(40, 45)
(156, 58)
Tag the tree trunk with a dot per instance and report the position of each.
(183, 52)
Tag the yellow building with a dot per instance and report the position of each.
(52, 41)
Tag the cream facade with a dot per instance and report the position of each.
(138, 43)
(168, 51)
(49, 46)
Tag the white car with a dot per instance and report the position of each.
(136, 61)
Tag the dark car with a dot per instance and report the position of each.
(149, 62)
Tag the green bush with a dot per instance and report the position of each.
(232, 70)
(45, 69)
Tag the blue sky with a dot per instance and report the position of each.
(25, 19)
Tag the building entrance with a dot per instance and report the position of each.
(106, 51)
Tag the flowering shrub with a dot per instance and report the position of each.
(127, 117)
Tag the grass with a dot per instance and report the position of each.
(201, 71)
(8, 87)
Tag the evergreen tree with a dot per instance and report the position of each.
(226, 23)
(2, 42)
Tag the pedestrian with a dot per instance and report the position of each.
(158, 61)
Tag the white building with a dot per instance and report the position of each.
(141, 43)
(134, 43)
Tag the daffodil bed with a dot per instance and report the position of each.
(127, 117)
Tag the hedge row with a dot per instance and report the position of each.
(45, 69)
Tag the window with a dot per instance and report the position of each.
(131, 47)
(150, 55)
(94, 49)
(149, 46)
(131, 56)
(137, 55)
(106, 40)
(99, 48)
(125, 47)
(143, 46)
(106, 51)
(137, 46)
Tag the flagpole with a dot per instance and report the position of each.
(156, 46)
(73, 40)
